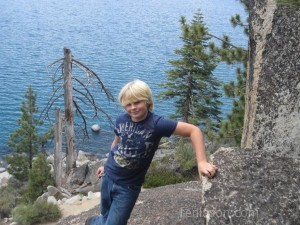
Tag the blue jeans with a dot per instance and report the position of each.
(117, 202)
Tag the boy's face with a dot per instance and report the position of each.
(137, 110)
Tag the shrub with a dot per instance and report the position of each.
(47, 211)
(25, 214)
(161, 172)
(7, 201)
(9, 197)
(185, 155)
(38, 212)
(162, 178)
(159, 176)
(295, 3)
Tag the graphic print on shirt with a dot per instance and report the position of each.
(133, 146)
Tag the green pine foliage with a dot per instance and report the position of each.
(10, 196)
(185, 155)
(18, 166)
(190, 82)
(37, 213)
(25, 140)
(39, 178)
(8, 200)
(25, 214)
(232, 127)
(295, 3)
(159, 175)
(162, 170)
(246, 4)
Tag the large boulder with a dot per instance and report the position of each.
(84, 178)
(77, 176)
(85, 157)
(252, 187)
(273, 86)
(4, 177)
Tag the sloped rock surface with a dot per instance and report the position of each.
(251, 187)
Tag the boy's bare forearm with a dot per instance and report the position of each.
(198, 145)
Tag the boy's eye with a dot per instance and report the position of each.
(133, 103)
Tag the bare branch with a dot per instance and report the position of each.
(49, 105)
(105, 113)
(87, 90)
(82, 117)
(56, 71)
(93, 74)
(56, 61)
(58, 79)
(223, 40)
(52, 96)
(83, 101)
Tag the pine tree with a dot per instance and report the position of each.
(25, 139)
(39, 178)
(190, 83)
(232, 127)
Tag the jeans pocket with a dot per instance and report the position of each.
(135, 188)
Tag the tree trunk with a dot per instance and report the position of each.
(58, 149)
(69, 117)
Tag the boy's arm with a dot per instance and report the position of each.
(189, 130)
(100, 170)
(115, 141)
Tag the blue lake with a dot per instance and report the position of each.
(118, 39)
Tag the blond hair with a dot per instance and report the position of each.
(134, 91)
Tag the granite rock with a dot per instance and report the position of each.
(273, 84)
(251, 187)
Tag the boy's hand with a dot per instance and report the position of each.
(207, 169)
(100, 171)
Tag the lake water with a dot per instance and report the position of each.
(118, 39)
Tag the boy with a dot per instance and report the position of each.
(138, 132)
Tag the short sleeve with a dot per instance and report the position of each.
(121, 118)
(116, 132)
(165, 127)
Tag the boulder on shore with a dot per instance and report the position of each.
(95, 128)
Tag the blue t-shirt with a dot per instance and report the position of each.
(130, 159)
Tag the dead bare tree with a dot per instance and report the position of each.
(75, 93)
(57, 149)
